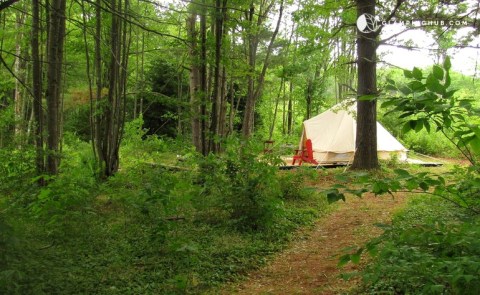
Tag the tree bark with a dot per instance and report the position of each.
(55, 46)
(277, 101)
(111, 121)
(37, 89)
(194, 81)
(215, 136)
(366, 141)
(311, 89)
(255, 89)
(203, 91)
(19, 70)
(7, 3)
(290, 109)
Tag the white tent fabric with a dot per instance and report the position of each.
(333, 135)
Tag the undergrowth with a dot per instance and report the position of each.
(170, 222)
(432, 247)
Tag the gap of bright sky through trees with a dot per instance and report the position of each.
(421, 53)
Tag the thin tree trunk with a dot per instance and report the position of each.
(37, 89)
(214, 144)
(223, 106)
(142, 76)
(231, 115)
(97, 117)
(203, 78)
(195, 99)
(290, 110)
(55, 47)
(254, 91)
(90, 84)
(19, 70)
(277, 101)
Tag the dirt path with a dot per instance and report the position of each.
(309, 266)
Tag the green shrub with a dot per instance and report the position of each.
(292, 183)
(17, 167)
(68, 195)
(433, 143)
(245, 187)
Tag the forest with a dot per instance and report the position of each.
(141, 143)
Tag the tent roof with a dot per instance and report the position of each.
(335, 131)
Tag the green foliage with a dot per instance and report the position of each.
(427, 102)
(68, 194)
(248, 188)
(17, 166)
(166, 102)
(431, 248)
(459, 186)
(161, 225)
(433, 143)
(76, 121)
(292, 184)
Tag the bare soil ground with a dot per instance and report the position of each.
(309, 265)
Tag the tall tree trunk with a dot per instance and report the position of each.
(55, 45)
(311, 89)
(110, 123)
(203, 77)
(90, 83)
(37, 89)
(223, 106)
(290, 110)
(277, 101)
(252, 42)
(195, 94)
(19, 70)
(366, 141)
(96, 117)
(215, 136)
(255, 90)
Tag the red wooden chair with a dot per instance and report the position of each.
(305, 155)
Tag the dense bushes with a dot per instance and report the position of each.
(246, 188)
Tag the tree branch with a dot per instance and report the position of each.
(128, 20)
(2, 61)
(7, 3)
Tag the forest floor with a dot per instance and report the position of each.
(309, 264)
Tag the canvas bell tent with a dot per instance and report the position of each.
(333, 135)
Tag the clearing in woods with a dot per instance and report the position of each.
(309, 265)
